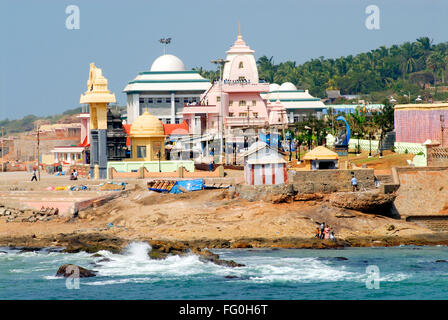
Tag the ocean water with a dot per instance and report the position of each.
(399, 273)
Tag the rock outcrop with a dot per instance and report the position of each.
(369, 202)
(71, 270)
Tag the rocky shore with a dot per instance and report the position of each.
(95, 242)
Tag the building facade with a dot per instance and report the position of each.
(164, 90)
(417, 123)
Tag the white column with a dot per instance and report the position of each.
(173, 108)
(136, 106)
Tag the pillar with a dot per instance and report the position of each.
(102, 153)
(93, 149)
(173, 108)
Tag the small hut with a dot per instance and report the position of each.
(264, 164)
(321, 158)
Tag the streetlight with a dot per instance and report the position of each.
(221, 63)
(165, 42)
(309, 137)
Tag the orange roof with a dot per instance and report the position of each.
(174, 128)
(127, 129)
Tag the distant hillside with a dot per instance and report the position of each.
(28, 123)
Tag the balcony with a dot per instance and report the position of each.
(194, 109)
(245, 122)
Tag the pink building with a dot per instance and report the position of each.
(242, 103)
(419, 122)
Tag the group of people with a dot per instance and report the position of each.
(74, 175)
(324, 232)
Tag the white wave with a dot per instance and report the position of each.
(119, 281)
(135, 261)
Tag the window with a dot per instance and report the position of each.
(231, 103)
(254, 103)
(168, 121)
(242, 103)
(241, 65)
(159, 100)
(218, 99)
(141, 151)
(177, 120)
(177, 100)
(242, 114)
(142, 100)
(168, 100)
(242, 78)
(185, 100)
(150, 100)
(255, 114)
(230, 114)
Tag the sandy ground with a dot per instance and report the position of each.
(210, 214)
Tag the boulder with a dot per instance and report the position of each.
(369, 202)
(68, 270)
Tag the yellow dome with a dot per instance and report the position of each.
(147, 125)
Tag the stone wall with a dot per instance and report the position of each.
(326, 181)
(436, 223)
(181, 172)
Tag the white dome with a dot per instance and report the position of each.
(168, 62)
(274, 87)
(287, 86)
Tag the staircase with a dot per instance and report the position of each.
(388, 141)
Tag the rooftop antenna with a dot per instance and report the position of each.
(165, 41)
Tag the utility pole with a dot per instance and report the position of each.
(3, 160)
(221, 63)
(38, 142)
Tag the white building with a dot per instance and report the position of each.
(164, 90)
(298, 103)
(264, 165)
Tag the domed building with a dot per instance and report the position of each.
(297, 103)
(164, 90)
(147, 138)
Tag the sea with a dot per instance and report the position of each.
(405, 272)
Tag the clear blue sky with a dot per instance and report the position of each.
(44, 66)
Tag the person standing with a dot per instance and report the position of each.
(34, 175)
(327, 232)
(322, 229)
(354, 183)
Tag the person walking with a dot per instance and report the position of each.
(354, 183)
(317, 235)
(322, 229)
(34, 175)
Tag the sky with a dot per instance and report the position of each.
(44, 65)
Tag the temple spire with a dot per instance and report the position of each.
(239, 29)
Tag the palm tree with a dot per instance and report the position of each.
(435, 61)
